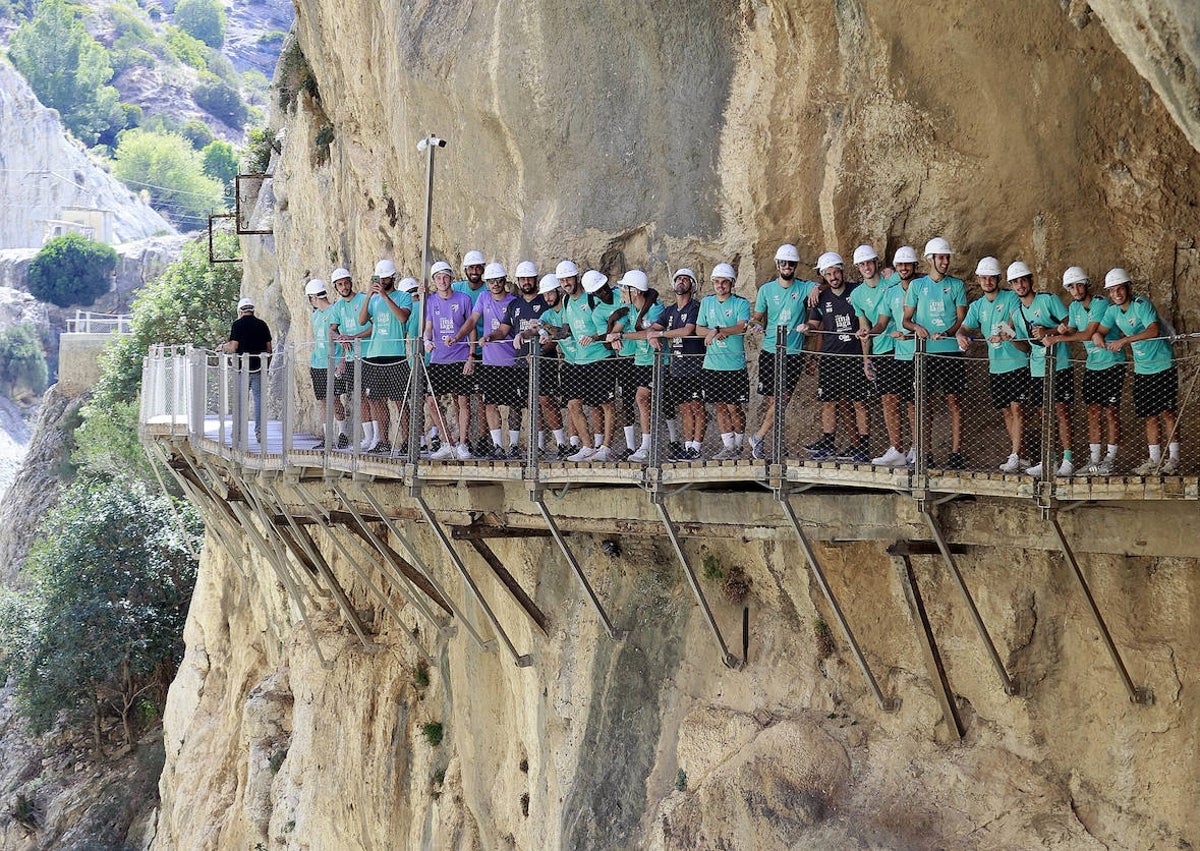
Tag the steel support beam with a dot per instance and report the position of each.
(510, 583)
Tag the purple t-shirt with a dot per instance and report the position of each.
(491, 312)
(447, 315)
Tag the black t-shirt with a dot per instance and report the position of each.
(687, 353)
(837, 318)
(520, 315)
(252, 336)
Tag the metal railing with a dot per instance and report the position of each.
(86, 322)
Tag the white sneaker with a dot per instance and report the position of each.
(727, 453)
(1013, 464)
(1035, 470)
(444, 453)
(640, 456)
(1066, 468)
(911, 457)
(1169, 467)
(892, 458)
(585, 453)
(600, 453)
(463, 452)
(1096, 468)
(368, 445)
(1146, 468)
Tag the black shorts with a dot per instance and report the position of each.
(793, 368)
(591, 383)
(641, 376)
(448, 378)
(894, 377)
(841, 377)
(504, 385)
(342, 384)
(1064, 387)
(1103, 387)
(948, 371)
(550, 378)
(1009, 387)
(1155, 393)
(683, 388)
(622, 371)
(727, 386)
(385, 378)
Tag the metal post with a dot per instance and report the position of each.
(778, 382)
(532, 456)
(657, 382)
(921, 407)
(1045, 487)
(612, 631)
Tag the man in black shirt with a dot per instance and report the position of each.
(684, 384)
(248, 336)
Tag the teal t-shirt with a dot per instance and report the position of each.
(464, 286)
(937, 304)
(729, 354)
(600, 315)
(783, 306)
(412, 330)
(321, 320)
(345, 314)
(870, 302)
(578, 317)
(640, 350)
(1045, 311)
(985, 315)
(387, 334)
(904, 349)
(557, 318)
(1080, 317)
(1149, 356)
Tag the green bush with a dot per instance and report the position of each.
(197, 132)
(433, 733)
(172, 171)
(71, 269)
(257, 153)
(202, 19)
(221, 164)
(68, 70)
(22, 363)
(188, 50)
(220, 100)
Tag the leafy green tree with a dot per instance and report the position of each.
(198, 133)
(100, 629)
(71, 269)
(202, 19)
(188, 50)
(221, 163)
(220, 100)
(68, 70)
(172, 171)
(22, 363)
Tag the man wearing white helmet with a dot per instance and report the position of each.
(550, 375)
(722, 323)
(684, 391)
(637, 355)
(842, 374)
(782, 302)
(1104, 371)
(451, 365)
(894, 377)
(1155, 382)
(991, 317)
(1037, 317)
(326, 363)
(870, 300)
(472, 284)
(559, 330)
(249, 335)
(349, 333)
(590, 380)
(522, 323)
(385, 370)
(934, 307)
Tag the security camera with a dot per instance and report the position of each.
(430, 140)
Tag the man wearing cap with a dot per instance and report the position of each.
(501, 378)
(841, 374)
(325, 363)
(447, 312)
(1037, 317)
(385, 371)
(684, 389)
(1155, 382)
(249, 335)
(722, 323)
(782, 302)
(991, 317)
(472, 284)
(934, 307)
(592, 317)
(635, 348)
(1104, 371)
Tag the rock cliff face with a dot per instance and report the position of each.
(686, 135)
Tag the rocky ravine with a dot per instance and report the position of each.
(688, 134)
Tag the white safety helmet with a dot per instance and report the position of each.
(314, 287)
(407, 285)
(988, 266)
(1018, 270)
(684, 271)
(385, 269)
(473, 258)
(905, 254)
(1115, 278)
(493, 271)
(440, 266)
(829, 258)
(1075, 275)
(245, 303)
(526, 269)
(593, 281)
(787, 252)
(339, 273)
(937, 245)
(635, 279)
(723, 270)
(864, 253)
(548, 283)
(566, 269)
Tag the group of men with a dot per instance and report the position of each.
(599, 341)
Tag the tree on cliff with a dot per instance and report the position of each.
(202, 19)
(71, 269)
(99, 633)
(68, 70)
(172, 171)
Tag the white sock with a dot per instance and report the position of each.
(1112, 451)
(497, 436)
(727, 439)
(597, 440)
(672, 429)
(692, 444)
(514, 437)
(1173, 448)
(1094, 449)
(541, 440)
(739, 439)
(433, 432)
(1155, 452)
(558, 436)
(645, 447)
(630, 437)
(575, 440)
(341, 426)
